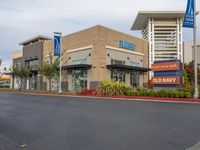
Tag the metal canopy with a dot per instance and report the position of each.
(143, 17)
(78, 66)
(126, 67)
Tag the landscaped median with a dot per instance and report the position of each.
(116, 89)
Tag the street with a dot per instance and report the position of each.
(39, 122)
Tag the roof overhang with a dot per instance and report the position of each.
(126, 67)
(34, 39)
(143, 17)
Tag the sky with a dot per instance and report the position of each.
(23, 19)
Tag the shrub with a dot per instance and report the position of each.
(88, 92)
(111, 88)
(131, 92)
(162, 93)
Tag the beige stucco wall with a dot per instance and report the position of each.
(124, 56)
(17, 54)
(188, 51)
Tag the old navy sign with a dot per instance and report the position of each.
(165, 66)
(173, 80)
(167, 74)
(126, 45)
(56, 45)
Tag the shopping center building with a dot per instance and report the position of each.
(188, 50)
(88, 56)
(31, 57)
(99, 53)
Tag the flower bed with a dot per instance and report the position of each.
(87, 92)
(116, 88)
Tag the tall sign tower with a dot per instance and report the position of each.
(163, 31)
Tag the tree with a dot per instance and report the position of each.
(49, 70)
(21, 72)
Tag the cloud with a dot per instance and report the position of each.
(22, 19)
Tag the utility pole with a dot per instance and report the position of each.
(60, 54)
(196, 93)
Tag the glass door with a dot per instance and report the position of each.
(79, 79)
(135, 79)
(118, 75)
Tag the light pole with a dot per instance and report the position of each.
(60, 66)
(196, 93)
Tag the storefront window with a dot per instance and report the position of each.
(32, 81)
(135, 79)
(32, 63)
(117, 62)
(80, 61)
(118, 75)
(136, 64)
(79, 79)
(55, 84)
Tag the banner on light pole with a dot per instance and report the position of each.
(189, 15)
(56, 45)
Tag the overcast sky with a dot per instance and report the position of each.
(23, 19)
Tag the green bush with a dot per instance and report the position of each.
(162, 93)
(111, 88)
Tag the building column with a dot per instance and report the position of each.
(12, 82)
(27, 84)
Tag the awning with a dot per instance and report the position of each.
(126, 67)
(78, 66)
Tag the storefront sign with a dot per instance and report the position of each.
(167, 66)
(126, 45)
(165, 80)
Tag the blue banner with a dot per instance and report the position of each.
(189, 15)
(56, 45)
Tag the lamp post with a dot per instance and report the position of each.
(60, 66)
(196, 93)
(190, 22)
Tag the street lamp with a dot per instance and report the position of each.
(60, 77)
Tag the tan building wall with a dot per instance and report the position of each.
(17, 54)
(188, 51)
(75, 46)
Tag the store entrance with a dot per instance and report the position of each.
(79, 79)
(118, 75)
(32, 81)
(135, 78)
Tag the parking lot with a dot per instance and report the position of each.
(40, 122)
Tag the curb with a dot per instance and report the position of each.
(127, 98)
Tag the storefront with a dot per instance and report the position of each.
(99, 53)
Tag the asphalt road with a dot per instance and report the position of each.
(66, 123)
